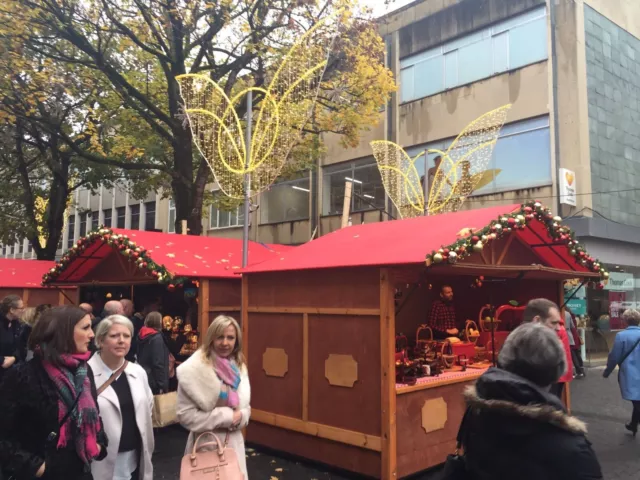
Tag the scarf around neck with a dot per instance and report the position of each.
(83, 424)
(229, 374)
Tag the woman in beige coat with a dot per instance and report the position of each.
(213, 388)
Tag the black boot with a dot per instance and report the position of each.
(632, 428)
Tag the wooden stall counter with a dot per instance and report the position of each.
(428, 415)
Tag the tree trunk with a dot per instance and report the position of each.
(183, 185)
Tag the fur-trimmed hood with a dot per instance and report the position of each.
(501, 392)
(541, 412)
(199, 381)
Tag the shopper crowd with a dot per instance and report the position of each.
(78, 392)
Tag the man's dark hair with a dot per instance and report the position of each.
(53, 332)
(9, 302)
(445, 286)
(538, 307)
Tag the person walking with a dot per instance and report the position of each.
(625, 355)
(29, 318)
(153, 353)
(50, 426)
(574, 342)
(11, 309)
(514, 427)
(547, 313)
(213, 388)
(125, 404)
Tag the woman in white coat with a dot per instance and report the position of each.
(213, 388)
(125, 405)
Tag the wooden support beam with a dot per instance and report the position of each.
(244, 314)
(25, 296)
(505, 249)
(348, 437)
(203, 308)
(305, 367)
(225, 308)
(374, 312)
(387, 377)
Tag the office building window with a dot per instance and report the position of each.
(368, 191)
(121, 213)
(107, 213)
(286, 201)
(95, 221)
(522, 147)
(150, 215)
(83, 224)
(71, 230)
(29, 247)
(135, 216)
(172, 217)
(224, 219)
(511, 44)
(9, 250)
(4, 250)
(21, 247)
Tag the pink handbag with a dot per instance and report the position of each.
(218, 464)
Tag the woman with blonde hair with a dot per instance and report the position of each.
(213, 388)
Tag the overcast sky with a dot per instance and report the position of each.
(379, 8)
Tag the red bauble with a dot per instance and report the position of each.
(528, 209)
(582, 254)
(154, 273)
(511, 221)
(446, 251)
(600, 286)
(122, 246)
(530, 217)
(143, 265)
(481, 277)
(106, 237)
(135, 254)
(171, 287)
(475, 239)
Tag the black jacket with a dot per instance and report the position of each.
(29, 406)
(517, 431)
(9, 341)
(153, 356)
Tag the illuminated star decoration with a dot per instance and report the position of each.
(286, 106)
(462, 168)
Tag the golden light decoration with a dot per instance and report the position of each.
(286, 106)
(461, 171)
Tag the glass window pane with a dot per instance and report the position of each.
(406, 84)
(475, 62)
(420, 57)
(286, 202)
(501, 52)
(528, 43)
(135, 217)
(428, 78)
(465, 41)
(451, 70)
(524, 160)
(367, 188)
(519, 20)
(122, 213)
(172, 217)
(333, 181)
(107, 217)
(223, 219)
(213, 217)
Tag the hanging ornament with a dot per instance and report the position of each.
(437, 258)
(478, 247)
(453, 257)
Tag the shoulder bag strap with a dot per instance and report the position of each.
(628, 353)
(113, 377)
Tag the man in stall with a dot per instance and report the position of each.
(442, 319)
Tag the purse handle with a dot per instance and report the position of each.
(220, 446)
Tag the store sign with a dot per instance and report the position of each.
(578, 306)
(567, 187)
(620, 282)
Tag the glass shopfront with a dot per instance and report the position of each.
(605, 307)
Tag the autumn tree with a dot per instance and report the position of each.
(138, 47)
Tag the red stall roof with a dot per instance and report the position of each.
(181, 255)
(23, 273)
(399, 242)
(407, 242)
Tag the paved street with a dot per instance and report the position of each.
(595, 400)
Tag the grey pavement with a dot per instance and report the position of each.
(594, 399)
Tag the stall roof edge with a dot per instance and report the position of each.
(19, 273)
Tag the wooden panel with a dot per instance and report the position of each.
(203, 308)
(388, 399)
(347, 437)
(347, 457)
(356, 408)
(244, 320)
(225, 292)
(39, 296)
(418, 450)
(274, 394)
(275, 362)
(305, 367)
(344, 288)
(11, 291)
(341, 370)
(317, 310)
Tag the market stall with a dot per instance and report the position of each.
(190, 278)
(328, 327)
(24, 278)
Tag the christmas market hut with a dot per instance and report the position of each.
(343, 366)
(190, 279)
(24, 278)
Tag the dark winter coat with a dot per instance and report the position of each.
(138, 323)
(9, 341)
(517, 431)
(153, 356)
(29, 406)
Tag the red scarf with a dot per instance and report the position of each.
(83, 424)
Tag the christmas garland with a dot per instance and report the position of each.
(560, 234)
(126, 247)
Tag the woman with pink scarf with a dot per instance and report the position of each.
(50, 427)
(213, 388)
